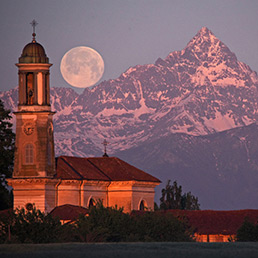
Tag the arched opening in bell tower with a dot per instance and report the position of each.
(29, 88)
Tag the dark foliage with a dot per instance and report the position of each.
(172, 198)
(248, 232)
(160, 227)
(101, 225)
(7, 141)
(29, 226)
(112, 225)
(6, 200)
(6, 222)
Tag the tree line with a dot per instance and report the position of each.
(100, 225)
(104, 225)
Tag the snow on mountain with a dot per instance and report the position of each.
(200, 90)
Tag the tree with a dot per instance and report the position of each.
(103, 224)
(112, 225)
(159, 227)
(29, 226)
(248, 232)
(172, 198)
(7, 142)
(100, 225)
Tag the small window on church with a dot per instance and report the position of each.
(91, 203)
(143, 206)
(29, 206)
(29, 159)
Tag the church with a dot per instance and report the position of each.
(48, 182)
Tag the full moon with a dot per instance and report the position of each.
(82, 67)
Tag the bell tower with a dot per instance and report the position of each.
(34, 158)
(34, 155)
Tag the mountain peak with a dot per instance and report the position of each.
(204, 31)
(206, 45)
(203, 36)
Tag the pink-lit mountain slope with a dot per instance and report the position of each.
(200, 90)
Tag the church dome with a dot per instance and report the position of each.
(33, 53)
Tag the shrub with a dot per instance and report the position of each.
(160, 227)
(248, 232)
(30, 226)
(103, 224)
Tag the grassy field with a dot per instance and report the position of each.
(134, 250)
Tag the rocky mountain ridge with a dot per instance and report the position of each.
(200, 90)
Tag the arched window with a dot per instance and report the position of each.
(143, 206)
(92, 203)
(29, 88)
(29, 154)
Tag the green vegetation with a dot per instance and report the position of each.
(101, 225)
(104, 225)
(248, 232)
(7, 141)
(172, 198)
(159, 227)
(29, 226)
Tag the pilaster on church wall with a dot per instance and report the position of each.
(121, 199)
(147, 198)
(129, 194)
(40, 87)
(79, 192)
(68, 192)
(120, 194)
(95, 190)
(41, 126)
(143, 191)
(50, 194)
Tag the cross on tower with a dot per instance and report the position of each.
(34, 24)
(105, 143)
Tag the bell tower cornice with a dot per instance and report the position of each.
(33, 66)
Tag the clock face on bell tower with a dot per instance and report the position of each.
(28, 128)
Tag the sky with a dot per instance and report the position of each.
(125, 32)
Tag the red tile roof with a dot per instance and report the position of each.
(210, 222)
(68, 212)
(103, 169)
